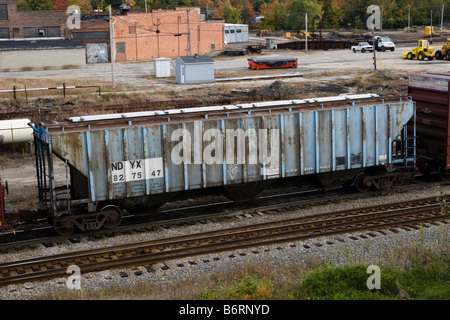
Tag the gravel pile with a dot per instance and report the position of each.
(277, 88)
(367, 247)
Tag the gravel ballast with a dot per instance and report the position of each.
(366, 247)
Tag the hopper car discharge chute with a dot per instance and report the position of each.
(114, 162)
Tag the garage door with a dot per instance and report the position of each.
(97, 52)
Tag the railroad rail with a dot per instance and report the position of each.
(151, 252)
(43, 233)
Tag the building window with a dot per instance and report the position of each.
(120, 47)
(213, 46)
(132, 29)
(96, 35)
(41, 32)
(3, 12)
(53, 32)
(4, 33)
(29, 32)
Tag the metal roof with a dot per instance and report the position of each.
(240, 107)
(38, 45)
(196, 59)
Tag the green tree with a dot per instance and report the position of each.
(34, 5)
(247, 12)
(333, 14)
(297, 10)
(275, 14)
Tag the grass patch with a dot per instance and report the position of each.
(415, 272)
(428, 280)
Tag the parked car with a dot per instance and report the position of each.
(363, 47)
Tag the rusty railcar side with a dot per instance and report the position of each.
(122, 160)
(2, 205)
(431, 92)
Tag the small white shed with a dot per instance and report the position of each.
(194, 69)
(162, 67)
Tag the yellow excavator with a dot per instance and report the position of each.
(444, 52)
(421, 52)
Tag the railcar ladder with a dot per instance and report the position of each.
(62, 193)
(56, 198)
(404, 155)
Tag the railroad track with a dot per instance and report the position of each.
(45, 235)
(151, 252)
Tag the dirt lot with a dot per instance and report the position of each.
(325, 67)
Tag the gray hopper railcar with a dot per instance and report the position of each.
(118, 161)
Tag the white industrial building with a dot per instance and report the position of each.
(235, 33)
(162, 67)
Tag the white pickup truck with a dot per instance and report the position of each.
(363, 47)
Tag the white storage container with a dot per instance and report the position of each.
(162, 67)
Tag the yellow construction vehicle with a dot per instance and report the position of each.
(422, 51)
(444, 53)
(302, 33)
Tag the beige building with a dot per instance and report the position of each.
(26, 55)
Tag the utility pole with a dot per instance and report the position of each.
(189, 32)
(381, 22)
(373, 46)
(306, 32)
(442, 18)
(409, 17)
(431, 27)
(111, 40)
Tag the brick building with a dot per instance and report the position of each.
(137, 35)
(17, 24)
(165, 33)
(94, 35)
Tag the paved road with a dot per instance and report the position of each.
(131, 74)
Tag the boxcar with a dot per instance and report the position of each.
(3, 189)
(117, 161)
(431, 93)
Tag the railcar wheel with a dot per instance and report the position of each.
(398, 180)
(360, 183)
(64, 225)
(113, 216)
